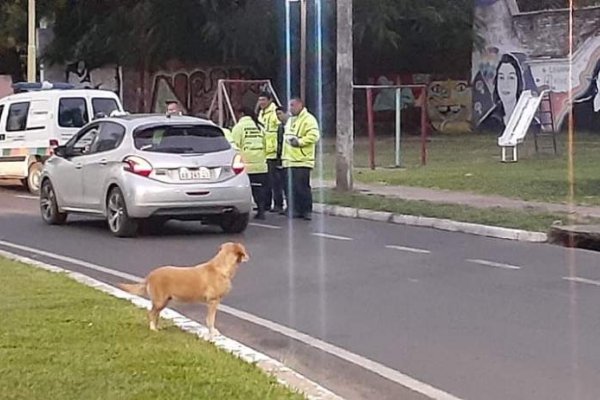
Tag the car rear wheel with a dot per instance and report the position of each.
(49, 206)
(119, 221)
(235, 223)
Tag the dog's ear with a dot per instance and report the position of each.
(242, 253)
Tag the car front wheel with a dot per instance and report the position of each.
(119, 221)
(49, 206)
(235, 223)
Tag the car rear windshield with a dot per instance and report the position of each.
(189, 139)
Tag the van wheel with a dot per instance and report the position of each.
(49, 206)
(119, 221)
(32, 183)
(235, 223)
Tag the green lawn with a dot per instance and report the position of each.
(62, 340)
(472, 163)
(531, 221)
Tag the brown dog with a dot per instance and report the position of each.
(207, 283)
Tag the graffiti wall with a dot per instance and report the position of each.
(530, 51)
(449, 106)
(77, 73)
(194, 87)
(448, 102)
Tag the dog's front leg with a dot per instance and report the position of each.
(210, 318)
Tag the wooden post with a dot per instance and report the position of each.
(371, 127)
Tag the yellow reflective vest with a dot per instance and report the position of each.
(306, 128)
(229, 137)
(270, 122)
(250, 141)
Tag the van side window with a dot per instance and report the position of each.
(1, 110)
(104, 106)
(72, 113)
(17, 117)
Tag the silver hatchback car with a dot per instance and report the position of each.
(139, 169)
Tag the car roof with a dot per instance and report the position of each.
(55, 93)
(136, 120)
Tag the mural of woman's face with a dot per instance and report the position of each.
(507, 83)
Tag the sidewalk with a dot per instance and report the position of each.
(465, 198)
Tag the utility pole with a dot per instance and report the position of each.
(344, 144)
(303, 16)
(31, 48)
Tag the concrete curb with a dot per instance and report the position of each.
(436, 223)
(284, 375)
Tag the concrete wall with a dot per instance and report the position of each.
(532, 50)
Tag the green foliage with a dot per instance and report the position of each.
(147, 33)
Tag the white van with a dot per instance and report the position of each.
(33, 123)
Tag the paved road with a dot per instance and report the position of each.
(475, 317)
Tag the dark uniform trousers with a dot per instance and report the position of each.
(260, 184)
(298, 191)
(275, 189)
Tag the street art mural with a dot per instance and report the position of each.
(77, 73)
(449, 105)
(528, 51)
(194, 88)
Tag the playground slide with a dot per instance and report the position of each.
(521, 119)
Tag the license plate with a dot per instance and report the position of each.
(194, 174)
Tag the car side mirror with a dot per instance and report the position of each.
(60, 151)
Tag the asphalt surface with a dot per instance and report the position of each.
(478, 318)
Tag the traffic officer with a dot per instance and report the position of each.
(249, 138)
(301, 137)
(268, 118)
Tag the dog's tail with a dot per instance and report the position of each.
(139, 289)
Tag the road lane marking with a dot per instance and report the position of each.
(360, 361)
(23, 196)
(581, 280)
(334, 237)
(494, 264)
(408, 249)
(266, 226)
(75, 261)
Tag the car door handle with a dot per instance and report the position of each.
(78, 166)
(103, 161)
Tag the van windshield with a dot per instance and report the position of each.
(188, 139)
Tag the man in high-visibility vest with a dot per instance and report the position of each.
(250, 141)
(268, 118)
(299, 148)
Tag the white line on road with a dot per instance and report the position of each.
(581, 280)
(494, 264)
(334, 237)
(24, 196)
(408, 249)
(75, 261)
(373, 366)
(266, 226)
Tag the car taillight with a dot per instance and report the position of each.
(137, 165)
(52, 144)
(238, 164)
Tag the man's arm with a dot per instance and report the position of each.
(310, 133)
